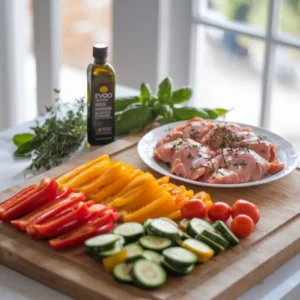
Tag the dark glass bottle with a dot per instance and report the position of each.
(101, 97)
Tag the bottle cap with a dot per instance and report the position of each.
(100, 50)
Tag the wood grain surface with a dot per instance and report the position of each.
(276, 240)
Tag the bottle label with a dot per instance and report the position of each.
(103, 97)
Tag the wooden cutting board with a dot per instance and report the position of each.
(276, 240)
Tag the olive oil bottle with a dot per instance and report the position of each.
(101, 98)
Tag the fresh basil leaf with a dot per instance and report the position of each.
(22, 138)
(23, 150)
(182, 95)
(186, 113)
(212, 114)
(123, 103)
(146, 93)
(222, 111)
(165, 90)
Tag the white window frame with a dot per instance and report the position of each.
(271, 38)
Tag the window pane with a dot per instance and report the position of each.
(85, 22)
(228, 73)
(251, 12)
(289, 17)
(285, 109)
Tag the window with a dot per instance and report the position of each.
(248, 57)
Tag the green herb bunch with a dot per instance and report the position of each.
(60, 135)
(134, 114)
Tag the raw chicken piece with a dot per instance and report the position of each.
(192, 160)
(249, 140)
(195, 129)
(242, 165)
(222, 135)
(239, 166)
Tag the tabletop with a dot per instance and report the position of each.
(284, 283)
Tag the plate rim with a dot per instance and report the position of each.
(213, 185)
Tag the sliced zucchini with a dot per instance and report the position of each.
(101, 242)
(215, 237)
(184, 223)
(179, 258)
(183, 235)
(147, 274)
(201, 250)
(196, 226)
(163, 228)
(131, 231)
(153, 242)
(170, 221)
(134, 252)
(147, 222)
(215, 246)
(226, 233)
(154, 256)
(117, 248)
(121, 272)
(175, 271)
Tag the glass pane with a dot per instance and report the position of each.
(251, 12)
(285, 109)
(228, 73)
(289, 17)
(85, 22)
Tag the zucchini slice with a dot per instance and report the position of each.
(117, 248)
(183, 235)
(196, 226)
(131, 231)
(153, 242)
(215, 246)
(184, 223)
(226, 233)
(175, 271)
(179, 258)
(121, 272)
(134, 252)
(170, 221)
(154, 256)
(147, 274)
(163, 228)
(101, 242)
(215, 237)
(147, 222)
(201, 250)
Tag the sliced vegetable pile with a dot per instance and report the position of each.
(135, 194)
(145, 254)
(65, 218)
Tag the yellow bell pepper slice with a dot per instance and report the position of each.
(174, 215)
(111, 189)
(74, 172)
(208, 204)
(163, 180)
(202, 196)
(157, 204)
(111, 261)
(105, 178)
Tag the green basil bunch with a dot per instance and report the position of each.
(134, 114)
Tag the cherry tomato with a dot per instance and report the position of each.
(244, 207)
(242, 226)
(219, 211)
(193, 209)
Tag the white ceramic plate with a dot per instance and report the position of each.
(287, 153)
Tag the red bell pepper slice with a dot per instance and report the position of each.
(19, 197)
(79, 212)
(46, 192)
(95, 211)
(65, 192)
(78, 236)
(55, 208)
(48, 210)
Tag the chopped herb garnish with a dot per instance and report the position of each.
(190, 155)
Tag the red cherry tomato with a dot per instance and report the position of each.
(194, 208)
(219, 211)
(242, 226)
(244, 207)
